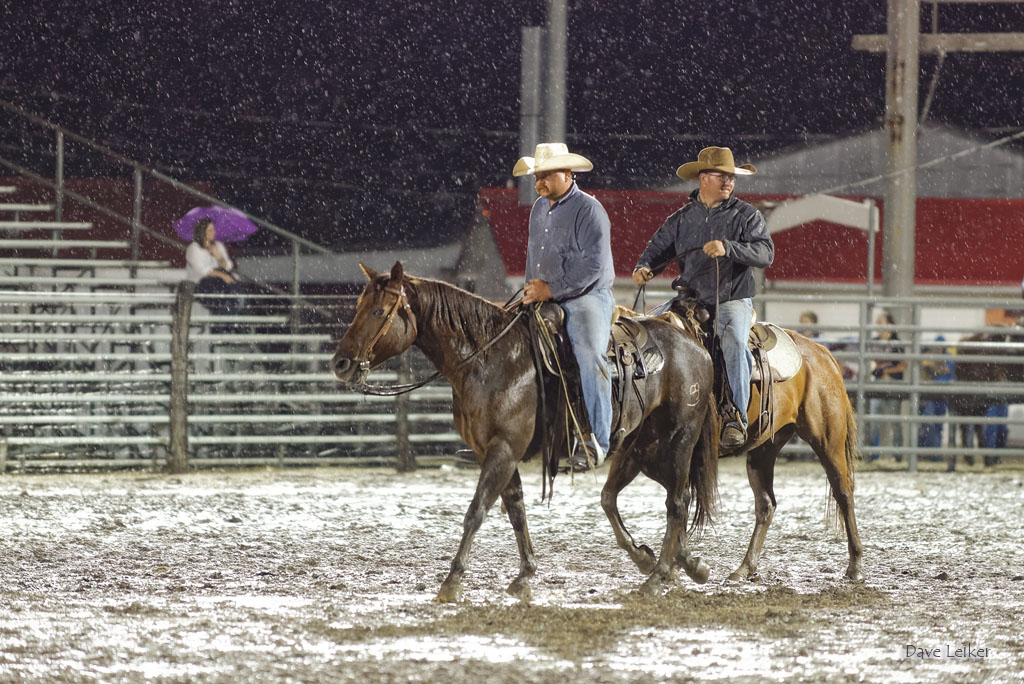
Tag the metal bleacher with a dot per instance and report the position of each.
(85, 366)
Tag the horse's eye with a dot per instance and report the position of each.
(378, 313)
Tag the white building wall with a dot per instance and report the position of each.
(832, 167)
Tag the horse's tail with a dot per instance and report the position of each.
(852, 447)
(704, 472)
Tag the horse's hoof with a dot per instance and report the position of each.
(652, 587)
(520, 589)
(449, 594)
(739, 574)
(698, 571)
(646, 565)
(646, 560)
(855, 573)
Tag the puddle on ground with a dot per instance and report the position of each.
(329, 574)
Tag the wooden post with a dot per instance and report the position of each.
(406, 459)
(177, 453)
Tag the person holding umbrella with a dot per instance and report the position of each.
(209, 266)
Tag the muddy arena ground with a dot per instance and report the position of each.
(329, 575)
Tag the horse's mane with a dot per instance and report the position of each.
(459, 312)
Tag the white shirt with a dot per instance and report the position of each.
(199, 262)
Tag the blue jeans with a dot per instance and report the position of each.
(588, 322)
(994, 436)
(930, 434)
(734, 321)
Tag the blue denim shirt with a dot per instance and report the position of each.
(570, 245)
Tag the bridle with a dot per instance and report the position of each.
(401, 302)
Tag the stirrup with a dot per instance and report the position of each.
(586, 455)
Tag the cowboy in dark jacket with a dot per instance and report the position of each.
(722, 237)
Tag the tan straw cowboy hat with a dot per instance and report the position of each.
(714, 159)
(551, 157)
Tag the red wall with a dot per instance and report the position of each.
(959, 241)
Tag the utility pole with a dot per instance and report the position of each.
(903, 45)
(901, 66)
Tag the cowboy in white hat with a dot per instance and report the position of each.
(569, 260)
(718, 239)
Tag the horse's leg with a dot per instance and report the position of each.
(835, 450)
(513, 500)
(761, 476)
(678, 451)
(623, 469)
(841, 483)
(495, 472)
(972, 436)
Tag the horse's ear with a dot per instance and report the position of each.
(368, 272)
(396, 272)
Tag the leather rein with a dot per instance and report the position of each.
(402, 302)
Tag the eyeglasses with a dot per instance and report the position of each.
(726, 178)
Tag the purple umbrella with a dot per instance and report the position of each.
(231, 224)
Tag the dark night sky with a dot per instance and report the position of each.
(365, 122)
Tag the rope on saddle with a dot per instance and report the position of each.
(550, 461)
(548, 464)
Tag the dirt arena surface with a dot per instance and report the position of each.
(329, 575)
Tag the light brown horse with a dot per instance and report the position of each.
(814, 405)
(486, 357)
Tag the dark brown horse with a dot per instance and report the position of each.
(814, 405)
(495, 404)
(1000, 346)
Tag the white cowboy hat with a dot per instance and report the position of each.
(714, 159)
(551, 157)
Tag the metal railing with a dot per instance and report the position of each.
(33, 147)
(855, 344)
(86, 377)
(87, 383)
(852, 343)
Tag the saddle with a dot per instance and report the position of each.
(776, 359)
(628, 345)
(771, 343)
(632, 355)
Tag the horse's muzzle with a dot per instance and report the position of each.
(345, 369)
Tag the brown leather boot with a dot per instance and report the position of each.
(733, 435)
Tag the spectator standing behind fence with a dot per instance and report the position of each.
(886, 370)
(209, 266)
(939, 371)
(809, 318)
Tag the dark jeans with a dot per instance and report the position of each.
(222, 304)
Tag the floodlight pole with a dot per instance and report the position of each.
(531, 114)
(542, 87)
(554, 109)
